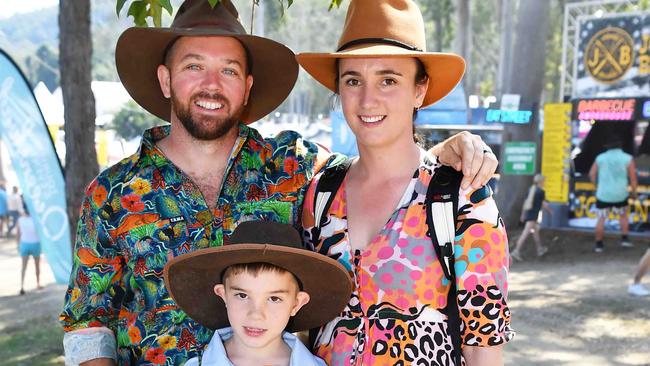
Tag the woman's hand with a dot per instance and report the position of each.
(468, 152)
(483, 356)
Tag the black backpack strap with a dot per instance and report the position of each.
(442, 210)
(328, 184)
(326, 189)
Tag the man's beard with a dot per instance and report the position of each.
(201, 127)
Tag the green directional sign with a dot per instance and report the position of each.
(520, 158)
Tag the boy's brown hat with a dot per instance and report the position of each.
(387, 29)
(190, 278)
(140, 50)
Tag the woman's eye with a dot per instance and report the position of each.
(389, 82)
(275, 299)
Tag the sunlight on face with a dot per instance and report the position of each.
(259, 307)
(378, 96)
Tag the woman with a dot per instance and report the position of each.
(29, 244)
(535, 201)
(376, 225)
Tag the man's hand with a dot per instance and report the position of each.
(468, 151)
(99, 362)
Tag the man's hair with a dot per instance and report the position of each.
(613, 143)
(255, 269)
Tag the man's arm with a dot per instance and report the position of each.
(467, 151)
(96, 273)
(631, 173)
(593, 173)
(483, 356)
(99, 362)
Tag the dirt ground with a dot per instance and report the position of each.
(569, 307)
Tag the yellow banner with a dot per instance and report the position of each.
(556, 145)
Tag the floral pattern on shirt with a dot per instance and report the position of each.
(396, 314)
(143, 211)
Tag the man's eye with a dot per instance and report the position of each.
(352, 82)
(275, 299)
(389, 82)
(229, 72)
(193, 67)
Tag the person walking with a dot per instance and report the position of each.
(535, 201)
(29, 245)
(14, 207)
(612, 172)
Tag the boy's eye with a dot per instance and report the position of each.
(241, 295)
(275, 299)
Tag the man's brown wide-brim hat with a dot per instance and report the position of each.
(140, 50)
(387, 29)
(190, 278)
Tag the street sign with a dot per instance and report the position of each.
(520, 158)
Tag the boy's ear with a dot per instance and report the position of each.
(220, 290)
(302, 298)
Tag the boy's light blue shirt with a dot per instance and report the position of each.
(215, 352)
(612, 175)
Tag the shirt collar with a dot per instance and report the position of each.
(149, 151)
(215, 353)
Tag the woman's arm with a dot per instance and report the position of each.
(483, 356)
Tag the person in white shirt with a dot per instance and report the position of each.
(14, 207)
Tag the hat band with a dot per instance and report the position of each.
(392, 42)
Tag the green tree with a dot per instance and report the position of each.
(132, 120)
(43, 66)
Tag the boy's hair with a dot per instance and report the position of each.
(255, 269)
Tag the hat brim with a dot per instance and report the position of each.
(445, 70)
(190, 280)
(140, 51)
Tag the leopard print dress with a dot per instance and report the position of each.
(395, 316)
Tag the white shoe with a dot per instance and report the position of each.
(637, 289)
(541, 251)
(627, 244)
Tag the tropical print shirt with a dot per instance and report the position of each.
(141, 212)
(396, 314)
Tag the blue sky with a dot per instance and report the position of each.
(11, 7)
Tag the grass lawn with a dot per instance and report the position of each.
(38, 344)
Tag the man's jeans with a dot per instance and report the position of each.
(13, 216)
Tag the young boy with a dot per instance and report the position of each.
(255, 291)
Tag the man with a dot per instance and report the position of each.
(611, 172)
(191, 183)
(3, 208)
(14, 207)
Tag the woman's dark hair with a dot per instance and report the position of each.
(421, 77)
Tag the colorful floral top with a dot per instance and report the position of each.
(143, 211)
(394, 315)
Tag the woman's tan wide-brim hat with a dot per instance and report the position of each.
(190, 278)
(387, 29)
(140, 50)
